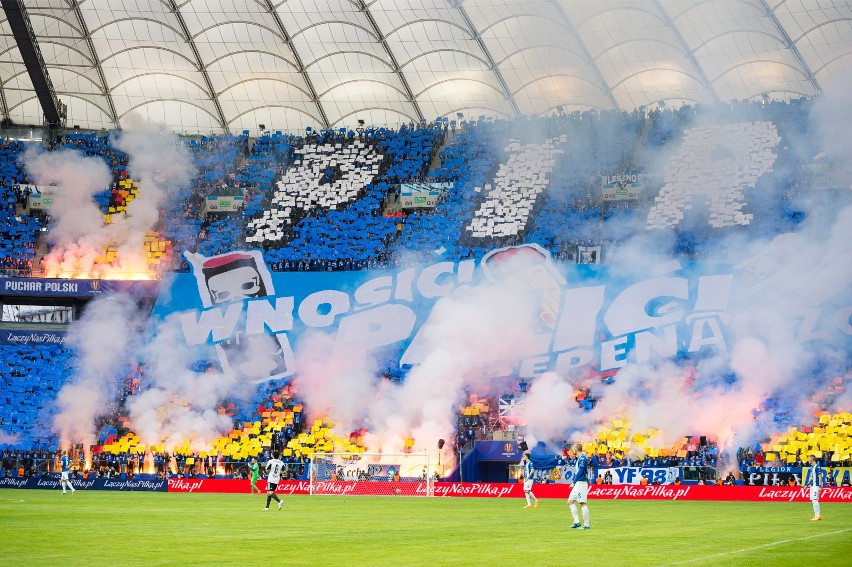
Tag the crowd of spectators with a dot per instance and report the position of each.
(365, 232)
(566, 214)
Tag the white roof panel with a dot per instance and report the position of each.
(209, 65)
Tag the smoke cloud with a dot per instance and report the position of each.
(104, 341)
(162, 164)
(337, 382)
(481, 331)
(108, 339)
(8, 438)
(465, 339)
(783, 344)
(79, 232)
(178, 404)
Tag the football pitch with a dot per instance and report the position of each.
(41, 527)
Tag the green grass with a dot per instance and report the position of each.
(41, 527)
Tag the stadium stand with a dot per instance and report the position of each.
(18, 233)
(31, 378)
(328, 201)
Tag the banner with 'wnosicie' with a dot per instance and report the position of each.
(585, 314)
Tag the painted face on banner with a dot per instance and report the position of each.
(233, 277)
(239, 283)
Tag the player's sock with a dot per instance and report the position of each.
(268, 499)
(585, 515)
(574, 514)
(528, 498)
(280, 503)
(816, 509)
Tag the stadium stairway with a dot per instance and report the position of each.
(449, 136)
(41, 250)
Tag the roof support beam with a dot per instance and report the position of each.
(201, 67)
(113, 115)
(491, 63)
(687, 50)
(791, 45)
(22, 30)
(299, 65)
(587, 56)
(396, 67)
(4, 106)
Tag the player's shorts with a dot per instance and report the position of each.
(815, 493)
(528, 483)
(64, 475)
(271, 486)
(580, 492)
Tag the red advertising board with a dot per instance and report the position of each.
(515, 490)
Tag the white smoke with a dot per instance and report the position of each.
(79, 232)
(8, 438)
(178, 404)
(336, 381)
(104, 340)
(550, 410)
(76, 178)
(780, 325)
(467, 336)
(162, 164)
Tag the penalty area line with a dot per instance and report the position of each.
(757, 547)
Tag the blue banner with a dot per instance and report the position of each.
(52, 483)
(840, 476)
(585, 315)
(47, 287)
(504, 451)
(634, 475)
(18, 337)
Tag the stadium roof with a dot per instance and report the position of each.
(213, 65)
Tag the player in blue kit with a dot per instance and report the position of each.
(529, 471)
(64, 480)
(817, 479)
(580, 490)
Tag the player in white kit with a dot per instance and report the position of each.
(273, 468)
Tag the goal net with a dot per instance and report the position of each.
(372, 474)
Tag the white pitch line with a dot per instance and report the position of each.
(11, 500)
(755, 548)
